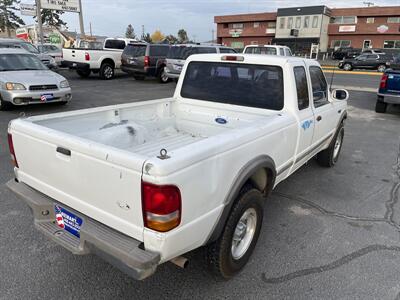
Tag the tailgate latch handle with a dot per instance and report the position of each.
(64, 151)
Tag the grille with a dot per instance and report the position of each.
(43, 87)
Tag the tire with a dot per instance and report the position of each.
(107, 71)
(84, 73)
(380, 106)
(329, 157)
(5, 105)
(63, 102)
(162, 76)
(381, 68)
(223, 258)
(347, 67)
(139, 77)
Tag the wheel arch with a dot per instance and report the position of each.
(261, 173)
(108, 60)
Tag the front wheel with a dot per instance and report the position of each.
(106, 71)
(230, 253)
(329, 157)
(347, 67)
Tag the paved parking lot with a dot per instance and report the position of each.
(327, 233)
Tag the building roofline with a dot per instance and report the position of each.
(251, 17)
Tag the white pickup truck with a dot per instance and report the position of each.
(144, 183)
(102, 61)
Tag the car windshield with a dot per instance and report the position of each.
(30, 48)
(177, 52)
(249, 85)
(19, 62)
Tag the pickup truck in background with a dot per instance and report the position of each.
(144, 183)
(102, 61)
(389, 87)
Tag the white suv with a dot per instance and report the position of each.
(268, 50)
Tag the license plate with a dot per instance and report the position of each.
(68, 221)
(46, 97)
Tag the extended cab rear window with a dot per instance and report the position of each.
(135, 50)
(249, 85)
(261, 50)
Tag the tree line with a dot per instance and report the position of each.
(158, 37)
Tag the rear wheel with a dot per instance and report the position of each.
(162, 76)
(230, 253)
(381, 68)
(380, 106)
(83, 73)
(329, 157)
(347, 67)
(106, 71)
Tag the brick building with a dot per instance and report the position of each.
(299, 27)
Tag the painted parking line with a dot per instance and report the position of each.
(353, 72)
(355, 88)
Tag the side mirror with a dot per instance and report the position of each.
(339, 94)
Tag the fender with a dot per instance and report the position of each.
(242, 177)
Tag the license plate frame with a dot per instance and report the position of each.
(46, 97)
(68, 220)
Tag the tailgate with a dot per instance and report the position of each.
(75, 55)
(393, 84)
(99, 181)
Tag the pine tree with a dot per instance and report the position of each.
(130, 32)
(52, 18)
(147, 38)
(8, 18)
(171, 39)
(183, 36)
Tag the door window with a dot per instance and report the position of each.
(301, 87)
(319, 87)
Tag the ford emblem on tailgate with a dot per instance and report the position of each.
(220, 120)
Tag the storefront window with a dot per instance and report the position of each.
(393, 20)
(298, 22)
(306, 22)
(391, 44)
(315, 22)
(282, 23)
(344, 20)
(340, 43)
(290, 23)
(237, 26)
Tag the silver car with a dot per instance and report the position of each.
(178, 54)
(18, 43)
(51, 50)
(24, 80)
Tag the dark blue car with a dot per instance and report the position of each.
(389, 87)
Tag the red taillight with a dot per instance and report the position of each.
(12, 151)
(146, 61)
(87, 56)
(383, 81)
(161, 206)
(232, 58)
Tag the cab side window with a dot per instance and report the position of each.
(319, 87)
(301, 87)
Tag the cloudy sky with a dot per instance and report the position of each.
(110, 17)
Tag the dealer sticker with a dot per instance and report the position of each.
(68, 221)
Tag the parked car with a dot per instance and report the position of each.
(347, 52)
(178, 54)
(167, 176)
(46, 59)
(389, 87)
(51, 50)
(102, 61)
(373, 51)
(145, 60)
(377, 62)
(24, 80)
(268, 50)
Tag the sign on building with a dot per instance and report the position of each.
(347, 28)
(65, 5)
(235, 32)
(27, 9)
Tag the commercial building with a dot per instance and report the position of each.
(301, 27)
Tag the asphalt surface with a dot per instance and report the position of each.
(327, 233)
(368, 80)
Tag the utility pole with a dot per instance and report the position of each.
(81, 20)
(369, 4)
(91, 33)
(39, 20)
(212, 36)
(142, 32)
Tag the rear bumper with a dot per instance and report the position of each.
(173, 75)
(122, 251)
(391, 99)
(75, 65)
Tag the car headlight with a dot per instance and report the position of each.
(64, 84)
(52, 61)
(14, 86)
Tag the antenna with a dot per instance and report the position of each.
(368, 4)
(333, 75)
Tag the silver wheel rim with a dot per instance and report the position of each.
(381, 69)
(338, 144)
(108, 72)
(164, 76)
(244, 233)
(347, 67)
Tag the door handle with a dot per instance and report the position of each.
(64, 151)
(319, 118)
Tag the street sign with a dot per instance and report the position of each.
(65, 5)
(27, 9)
